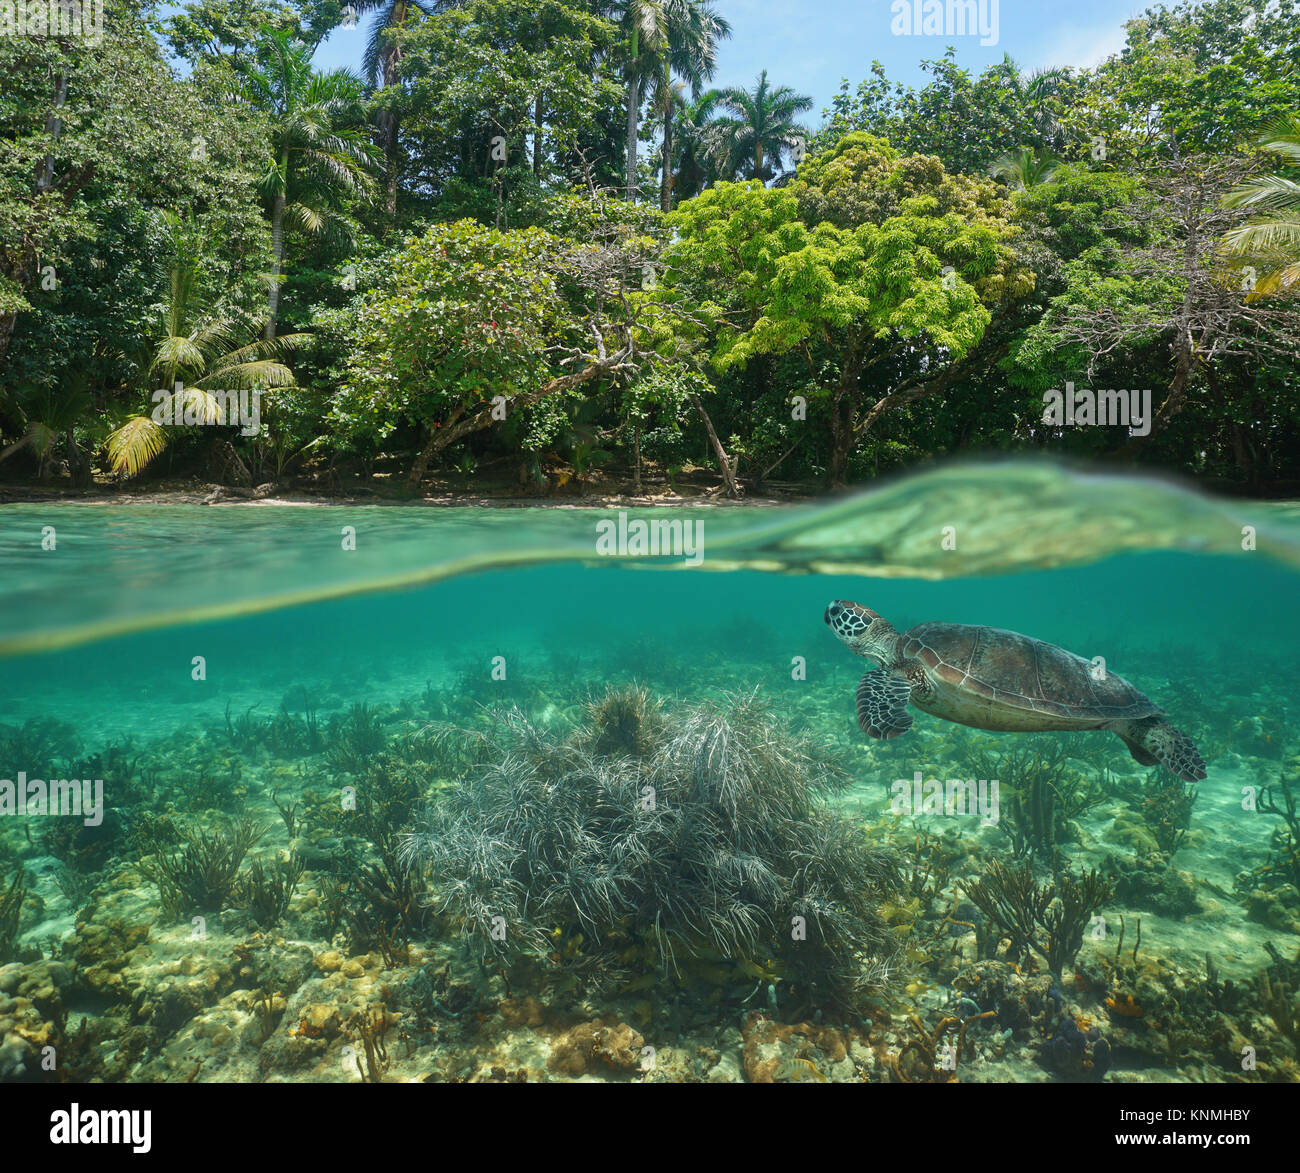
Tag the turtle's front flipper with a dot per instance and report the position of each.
(1155, 740)
(882, 704)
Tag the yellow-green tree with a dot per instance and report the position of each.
(881, 272)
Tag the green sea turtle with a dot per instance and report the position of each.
(1000, 680)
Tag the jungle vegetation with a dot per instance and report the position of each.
(542, 243)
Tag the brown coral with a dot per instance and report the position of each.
(617, 1046)
(779, 1053)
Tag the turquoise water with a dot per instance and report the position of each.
(157, 630)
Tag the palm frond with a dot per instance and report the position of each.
(1267, 193)
(137, 442)
(249, 375)
(1264, 235)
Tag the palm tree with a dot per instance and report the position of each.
(382, 67)
(692, 31)
(644, 22)
(1273, 235)
(1036, 90)
(1024, 168)
(317, 160)
(696, 144)
(44, 415)
(762, 126)
(197, 352)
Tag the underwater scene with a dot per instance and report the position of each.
(697, 794)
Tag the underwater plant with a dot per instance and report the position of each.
(1284, 858)
(1167, 810)
(83, 848)
(706, 846)
(290, 736)
(927, 870)
(373, 894)
(11, 911)
(624, 720)
(265, 891)
(196, 872)
(1048, 919)
(38, 744)
(1277, 993)
(284, 734)
(383, 800)
(934, 1056)
(121, 767)
(355, 740)
(1043, 793)
(288, 812)
(242, 732)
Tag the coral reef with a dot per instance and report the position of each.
(616, 1046)
(647, 859)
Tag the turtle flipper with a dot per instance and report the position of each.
(1156, 740)
(1141, 755)
(882, 704)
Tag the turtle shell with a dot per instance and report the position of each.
(1013, 670)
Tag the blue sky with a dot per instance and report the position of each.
(811, 44)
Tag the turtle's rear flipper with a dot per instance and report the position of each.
(882, 704)
(1155, 740)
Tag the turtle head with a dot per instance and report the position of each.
(862, 630)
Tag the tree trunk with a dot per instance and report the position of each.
(388, 120)
(421, 465)
(388, 123)
(724, 461)
(1243, 453)
(841, 437)
(984, 355)
(633, 101)
(459, 424)
(666, 176)
(631, 138)
(78, 462)
(53, 126)
(636, 458)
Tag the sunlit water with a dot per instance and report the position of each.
(142, 622)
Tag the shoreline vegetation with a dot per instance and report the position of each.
(692, 488)
(503, 495)
(250, 270)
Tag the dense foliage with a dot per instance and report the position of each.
(526, 243)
